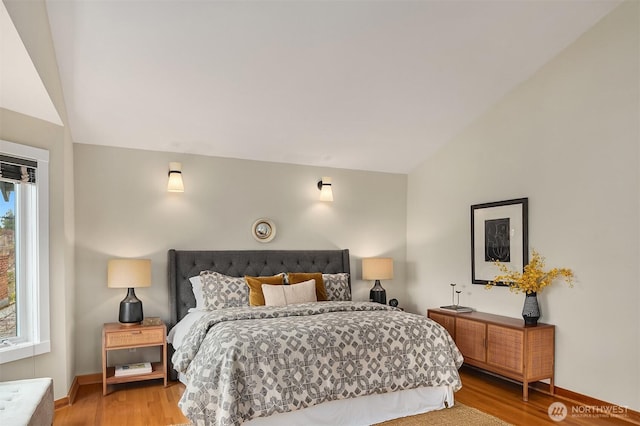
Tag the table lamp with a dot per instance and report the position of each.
(377, 268)
(129, 273)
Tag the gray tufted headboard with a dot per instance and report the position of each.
(184, 264)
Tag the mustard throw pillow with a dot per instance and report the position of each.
(298, 277)
(256, 298)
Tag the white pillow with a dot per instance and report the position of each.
(196, 286)
(282, 295)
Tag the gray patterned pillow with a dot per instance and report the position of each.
(337, 286)
(222, 291)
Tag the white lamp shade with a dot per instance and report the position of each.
(175, 178)
(377, 268)
(326, 193)
(128, 273)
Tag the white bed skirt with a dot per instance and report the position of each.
(362, 411)
(365, 410)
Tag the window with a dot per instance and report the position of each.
(24, 251)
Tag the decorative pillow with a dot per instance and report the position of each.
(282, 295)
(299, 277)
(222, 291)
(256, 297)
(337, 286)
(196, 287)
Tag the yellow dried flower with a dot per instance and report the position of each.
(533, 279)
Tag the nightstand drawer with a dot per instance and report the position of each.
(134, 337)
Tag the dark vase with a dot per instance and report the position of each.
(531, 310)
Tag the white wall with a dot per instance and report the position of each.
(124, 210)
(31, 21)
(568, 140)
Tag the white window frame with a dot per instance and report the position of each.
(33, 289)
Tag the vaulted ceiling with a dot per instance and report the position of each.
(21, 88)
(369, 85)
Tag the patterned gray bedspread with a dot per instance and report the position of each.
(248, 362)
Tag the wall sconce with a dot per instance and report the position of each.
(377, 268)
(129, 273)
(326, 193)
(175, 178)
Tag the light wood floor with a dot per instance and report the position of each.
(503, 399)
(150, 404)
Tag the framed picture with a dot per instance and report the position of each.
(499, 232)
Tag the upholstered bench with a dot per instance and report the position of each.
(26, 402)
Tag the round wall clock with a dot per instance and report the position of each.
(263, 230)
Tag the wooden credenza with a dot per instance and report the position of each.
(502, 345)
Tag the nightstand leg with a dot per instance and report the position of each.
(104, 371)
(164, 363)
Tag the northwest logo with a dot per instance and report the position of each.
(557, 411)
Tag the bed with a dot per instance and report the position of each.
(327, 362)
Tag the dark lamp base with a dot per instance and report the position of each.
(130, 309)
(378, 294)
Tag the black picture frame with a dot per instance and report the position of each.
(499, 231)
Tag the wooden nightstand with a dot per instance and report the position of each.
(115, 336)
